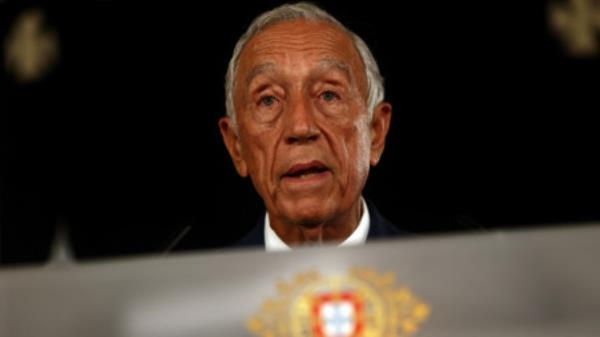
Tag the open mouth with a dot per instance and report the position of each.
(301, 171)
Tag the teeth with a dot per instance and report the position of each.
(306, 174)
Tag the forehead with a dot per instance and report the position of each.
(289, 43)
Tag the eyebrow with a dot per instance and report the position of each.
(328, 63)
(258, 70)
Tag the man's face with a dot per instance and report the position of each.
(304, 135)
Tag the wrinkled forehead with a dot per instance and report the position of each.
(286, 44)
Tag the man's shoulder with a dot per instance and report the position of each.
(380, 227)
(256, 236)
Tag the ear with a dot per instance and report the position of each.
(380, 124)
(232, 142)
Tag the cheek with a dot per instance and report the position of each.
(352, 149)
(364, 145)
(255, 157)
(258, 154)
(353, 138)
(358, 141)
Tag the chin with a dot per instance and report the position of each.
(309, 214)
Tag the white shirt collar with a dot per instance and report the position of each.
(274, 243)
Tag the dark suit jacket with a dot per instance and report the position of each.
(379, 228)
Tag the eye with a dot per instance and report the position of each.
(329, 96)
(267, 101)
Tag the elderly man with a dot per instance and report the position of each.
(306, 120)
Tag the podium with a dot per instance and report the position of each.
(542, 282)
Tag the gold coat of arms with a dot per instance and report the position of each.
(361, 303)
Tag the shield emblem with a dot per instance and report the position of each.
(360, 304)
(337, 315)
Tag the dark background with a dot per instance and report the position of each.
(494, 125)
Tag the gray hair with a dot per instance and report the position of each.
(309, 12)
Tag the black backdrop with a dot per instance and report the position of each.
(493, 127)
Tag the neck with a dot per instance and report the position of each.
(336, 229)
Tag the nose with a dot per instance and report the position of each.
(300, 123)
